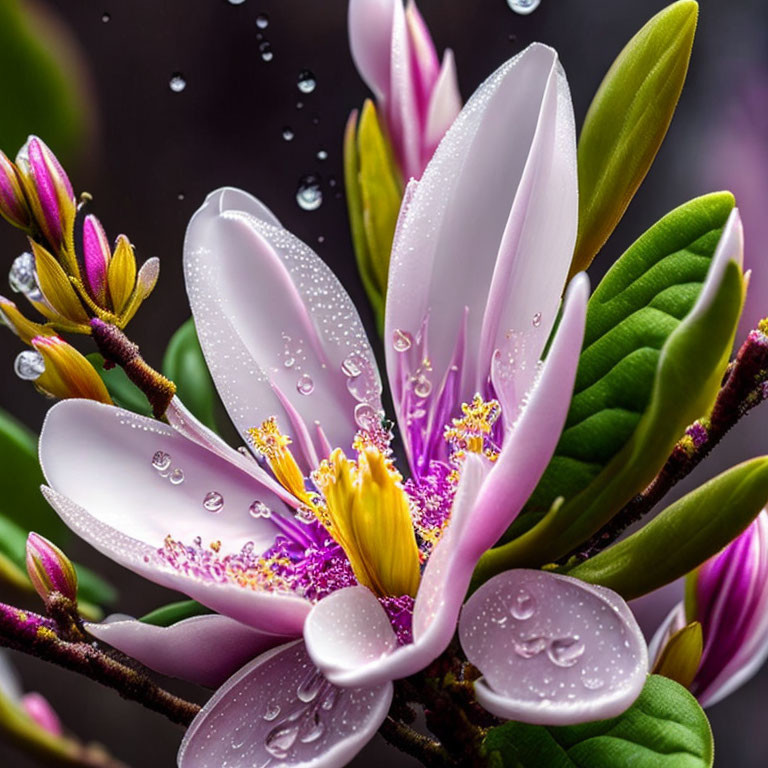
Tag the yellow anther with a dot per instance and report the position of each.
(468, 434)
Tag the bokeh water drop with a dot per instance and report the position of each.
(523, 7)
(309, 194)
(29, 365)
(306, 82)
(177, 82)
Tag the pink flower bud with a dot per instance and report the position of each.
(49, 569)
(96, 256)
(13, 204)
(38, 708)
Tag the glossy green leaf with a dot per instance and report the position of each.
(121, 389)
(664, 728)
(684, 535)
(41, 88)
(185, 365)
(685, 381)
(627, 122)
(174, 612)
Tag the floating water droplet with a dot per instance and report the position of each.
(288, 134)
(177, 476)
(422, 386)
(177, 82)
(310, 687)
(523, 7)
(321, 239)
(322, 154)
(272, 711)
(536, 322)
(305, 385)
(106, 16)
(306, 82)
(180, 196)
(279, 740)
(299, 105)
(366, 416)
(213, 501)
(262, 21)
(312, 728)
(259, 509)
(527, 649)
(524, 606)
(235, 2)
(161, 460)
(29, 365)
(565, 651)
(265, 49)
(401, 340)
(21, 276)
(309, 195)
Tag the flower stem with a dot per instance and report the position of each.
(745, 386)
(118, 349)
(429, 751)
(37, 635)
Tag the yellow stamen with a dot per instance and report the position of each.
(366, 511)
(468, 434)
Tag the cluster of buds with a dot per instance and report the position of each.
(70, 275)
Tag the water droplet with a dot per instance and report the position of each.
(299, 105)
(321, 239)
(213, 501)
(565, 651)
(262, 21)
(329, 700)
(289, 361)
(105, 17)
(401, 340)
(177, 476)
(593, 683)
(422, 386)
(524, 606)
(259, 509)
(161, 460)
(235, 2)
(238, 737)
(21, 276)
(322, 154)
(305, 515)
(305, 385)
(29, 365)
(310, 687)
(309, 195)
(312, 728)
(177, 82)
(306, 82)
(352, 365)
(523, 7)
(272, 711)
(265, 49)
(366, 416)
(180, 196)
(279, 740)
(536, 322)
(288, 134)
(527, 649)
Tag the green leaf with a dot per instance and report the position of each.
(185, 365)
(121, 389)
(636, 315)
(40, 91)
(683, 536)
(174, 612)
(664, 728)
(627, 121)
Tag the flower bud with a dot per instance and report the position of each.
(96, 256)
(13, 204)
(49, 569)
(40, 710)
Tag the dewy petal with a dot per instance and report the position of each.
(276, 325)
(205, 650)
(476, 221)
(370, 36)
(348, 634)
(425, 65)
(553, 650)
(280, 710)
(444, 105)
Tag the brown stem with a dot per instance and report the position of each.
(36, 635)
(118, 349)
(429, 751)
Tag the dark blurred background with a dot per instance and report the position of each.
(152, 154)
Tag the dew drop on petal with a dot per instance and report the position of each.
(312, 728)
(329, 700)
(213, 501)
(21, 276)
(593, 683)
(305, 515)
(280, 739)
(29, 365)
(161, 460)
(306, 81)
(309, 194)
(422, 386)
(524, 606)
(531, 647)
(401, 340)
(305, 385)
(177, 82)
(366, 416)
(272, 711)
(262, 21)
(523, 7)
(310, 687)
(536, 322)
(565, 651)
(177, 476)
(351, 366)
(259, 509)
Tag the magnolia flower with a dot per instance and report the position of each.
(728, 597)
(417, 96)
(329, 574)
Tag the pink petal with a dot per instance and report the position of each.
(425, 65)
(370, 36)
(444, 105)
(279, 613)
(96, 255)
(553, 650)
(40, 710)
(203, 649)
(280, 710)
(348, 634)
(276, 327)
(468, 228)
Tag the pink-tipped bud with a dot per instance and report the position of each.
(96, 256)
(49, 569)
(48, 191)
(38, 708)
(13, 204)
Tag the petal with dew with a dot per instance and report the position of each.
(279, 333)
(205, 650)
(370, 34)
(444, 104)
(279, 708)
(552, 650)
